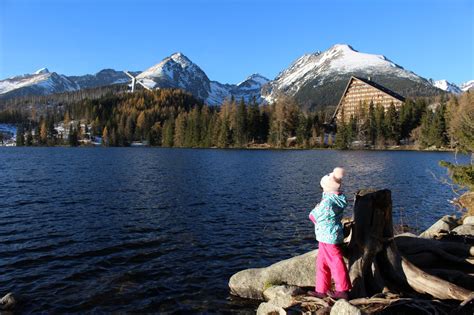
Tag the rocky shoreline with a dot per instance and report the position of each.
(282, 287)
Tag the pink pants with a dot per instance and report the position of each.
(330, 262)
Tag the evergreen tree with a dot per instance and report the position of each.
(155, 135)
(380, 125)
(43, 132)
(29, 139)
(105, 137)
(73, 138)
(392, 124)
(168, 133)
(180, 130)
(20, 136)
(372, 124)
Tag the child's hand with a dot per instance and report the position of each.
(311, 217)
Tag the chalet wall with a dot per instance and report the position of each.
(360, 92)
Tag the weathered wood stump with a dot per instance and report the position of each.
(375, 263)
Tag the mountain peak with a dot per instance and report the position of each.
(342, 47)
(42, 71)
(257, 77)
(253, 81)
(447, 86)
(466, 86)
(181, 59)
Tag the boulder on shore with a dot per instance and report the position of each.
(465, 229)
(468, 220)
(298, 271)
(443, 225)
(7, 302)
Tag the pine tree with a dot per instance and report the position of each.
(372, 124)
(392, 124)
(342, 137)
(168, 133)
(180, 130)
(43, 132)
(105, 137)
(73, 139)
(141, 125)
(29, 139)
(238, 123)
(381, 130)
(20, 137)
(155, 134)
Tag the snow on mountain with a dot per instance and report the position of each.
(42, 82)
(42, 70)
(319, 79)
(447, 86)
(466, 86)
(101, 78)
(177, 71)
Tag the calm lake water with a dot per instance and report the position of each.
(162, 230)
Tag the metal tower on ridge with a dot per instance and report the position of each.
(135, 81)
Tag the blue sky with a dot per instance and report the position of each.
(230, 40)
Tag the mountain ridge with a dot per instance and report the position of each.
(315, 79)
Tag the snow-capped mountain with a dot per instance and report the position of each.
(41, 82)
(447, 86)
(177, 71)
(249, 88)
(466, 86)
(101, 78)
(319, 79)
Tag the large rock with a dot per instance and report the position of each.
(342, 307)
(267, 308)
(465, 229)
(298, 271)
(468, 220)
(443, 225)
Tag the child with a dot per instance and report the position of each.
(327, 217)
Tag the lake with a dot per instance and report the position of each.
(162, 230)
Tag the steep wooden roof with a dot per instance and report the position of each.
(371, 83)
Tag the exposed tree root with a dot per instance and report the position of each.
(376, 264)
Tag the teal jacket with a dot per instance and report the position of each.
(327, 216)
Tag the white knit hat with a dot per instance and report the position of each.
(332, 181)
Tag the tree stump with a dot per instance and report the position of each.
(375, 263)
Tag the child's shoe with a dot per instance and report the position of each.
(336, 295)
(317, 294)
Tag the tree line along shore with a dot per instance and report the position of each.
(174, 118)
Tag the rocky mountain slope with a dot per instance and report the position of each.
(318, 79)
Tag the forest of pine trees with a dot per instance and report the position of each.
(173, 118)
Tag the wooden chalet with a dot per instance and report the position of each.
(363, 91)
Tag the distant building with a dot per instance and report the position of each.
(363, 91)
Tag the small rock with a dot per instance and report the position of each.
(7, 302)
(465, 229)
(342, 307)
(281, 290)
(445, 224)
(468, 220)
(282, 295)
(267, 308)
